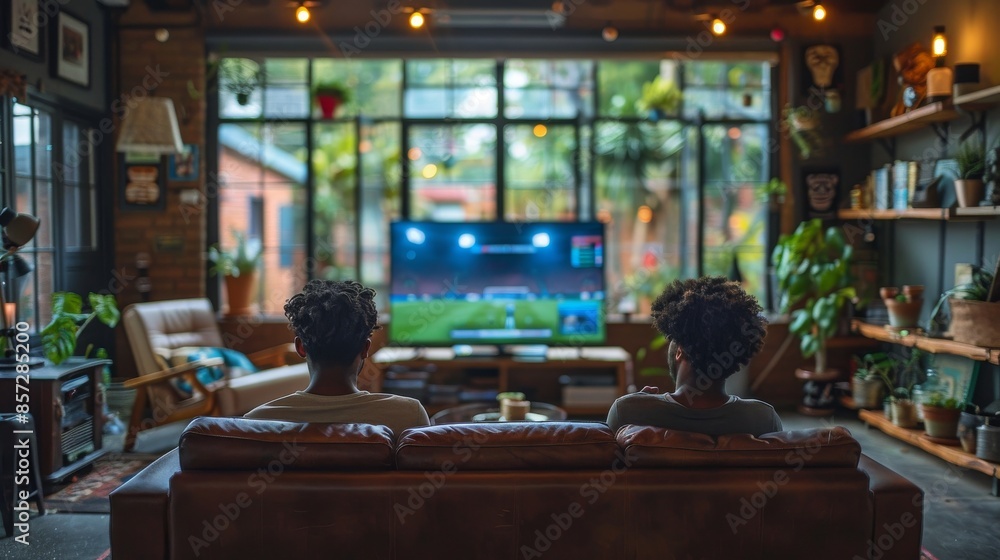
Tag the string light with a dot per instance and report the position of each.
(718, 26)
(819, 12)
(302, 14)
(416, 20)
(610, 33)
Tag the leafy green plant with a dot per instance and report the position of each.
(243, 259)
(874, 365)
(59, 337)
(971, 159)
(939, 400)
(510, 395)
(240, 76)
(977, 290)
(333, 89)
(773, 188)
(659, 94)
(813, 271)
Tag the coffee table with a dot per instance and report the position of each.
(490, 412)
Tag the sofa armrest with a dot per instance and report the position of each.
(139, 511)
(898, 512)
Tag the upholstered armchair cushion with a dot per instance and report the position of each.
(508, 446)
(249, 444)
(649, 446)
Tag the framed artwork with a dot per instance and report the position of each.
(821, 191)
(71, 58)
(143, 186)
(183, 166)
(957, 375)
(21, 31)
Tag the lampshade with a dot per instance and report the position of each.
(151, 127)
(18, 227)
(12, 273)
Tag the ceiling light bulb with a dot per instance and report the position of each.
(819, 12)
(302, 14)
(416, 20)
(718, 26)
(162, 34)
(610, 33)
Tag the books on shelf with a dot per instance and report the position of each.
(881, 188)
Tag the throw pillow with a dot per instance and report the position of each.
(234, 364)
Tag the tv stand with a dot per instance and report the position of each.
(478, 377)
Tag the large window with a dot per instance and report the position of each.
(482, 139)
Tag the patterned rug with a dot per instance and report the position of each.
(89, 493)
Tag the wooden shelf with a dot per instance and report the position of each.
(908, 214)
(942, 111)
(925, 343)
(978, 211)
(952, 454)
(995, 357)
(979, 100)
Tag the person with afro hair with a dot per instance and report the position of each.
(333, 323)
(714, 328)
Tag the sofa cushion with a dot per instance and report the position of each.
(650, 446)
(507, 446)
(250, 444)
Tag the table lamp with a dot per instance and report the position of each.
(17, 230)
(939, 78)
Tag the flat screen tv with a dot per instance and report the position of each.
(497, 283)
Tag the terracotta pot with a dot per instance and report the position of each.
(913, 293)
(888, 292)
(941, 422)
(969, 192)
(239, 294)
(904, 414)
(904, 313)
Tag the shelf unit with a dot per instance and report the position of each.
(979, 100)
(926, 343)
(934, 113)
(952, 454)
(973, 214)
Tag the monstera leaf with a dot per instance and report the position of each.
(60, 336)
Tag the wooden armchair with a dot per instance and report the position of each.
(158, 330)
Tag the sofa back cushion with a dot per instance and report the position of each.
(507, 446)
(650, 447)
(250, 444)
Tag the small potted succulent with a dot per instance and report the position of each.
(971, 160)
(513, 406)
(904, 308)
(866, 386)
(902, 407)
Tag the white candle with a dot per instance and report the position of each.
(10, 313)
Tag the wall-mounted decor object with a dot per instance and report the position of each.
(183, 166)
(823, 77)
(821, 191)
(71, 59)
(21, 31)
(142, 186)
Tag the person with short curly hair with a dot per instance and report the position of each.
(333, 323)
(714, 328)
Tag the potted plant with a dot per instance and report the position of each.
(330, 96)
(659, 98)
(773, 193)
(813, 271)
(240, 76)
(866, 386)
(239, 269)
(904, 308)
(971, 160)
(513, 406)
(60, 336)
(902, 407)
(972, 316)
(941, 415)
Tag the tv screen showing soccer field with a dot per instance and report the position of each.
(497, 283)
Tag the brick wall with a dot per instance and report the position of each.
(173, 238)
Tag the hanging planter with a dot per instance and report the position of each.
(329, 97)
(241, 77)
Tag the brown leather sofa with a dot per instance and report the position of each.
(238, 488)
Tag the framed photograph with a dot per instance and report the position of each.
(143, 186)
(821, 191)
(21, 31)
(183, 166)
(957, 375)
(72, 50)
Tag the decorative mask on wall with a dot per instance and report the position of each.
(822, 61)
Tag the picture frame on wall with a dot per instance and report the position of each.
(71, 50)
(821, 191)
(142, 185)
(183, 166)
(21, 31)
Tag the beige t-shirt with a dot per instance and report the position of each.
(394, 411)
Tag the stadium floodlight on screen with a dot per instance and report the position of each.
(497, 283)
